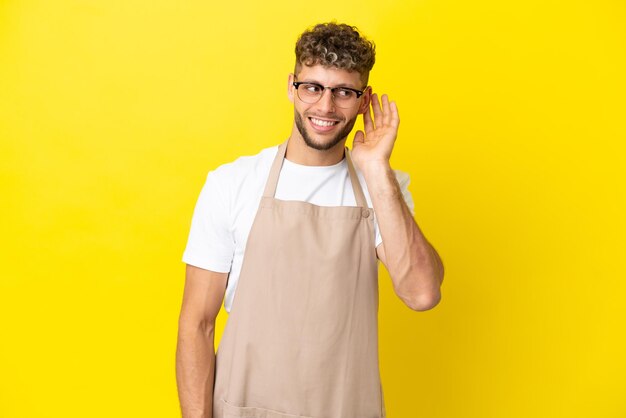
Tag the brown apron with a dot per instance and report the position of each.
(301, 339)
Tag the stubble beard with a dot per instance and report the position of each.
(308, 140)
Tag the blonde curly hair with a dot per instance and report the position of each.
(336, 45)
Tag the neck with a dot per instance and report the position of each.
(300, 153)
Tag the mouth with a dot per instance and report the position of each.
(322, 125)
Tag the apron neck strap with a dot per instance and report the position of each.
(356, 184)
(272, 180)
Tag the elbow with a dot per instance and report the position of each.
(420, 292)
(423, 302)
(192, 324)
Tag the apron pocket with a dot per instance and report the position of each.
(232, 411)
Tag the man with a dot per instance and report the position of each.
(292, 230)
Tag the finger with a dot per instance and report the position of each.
(386, 110)
(378, 114)
(359, 138)
(368, 123)
(394, 119)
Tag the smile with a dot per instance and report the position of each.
(323, 123)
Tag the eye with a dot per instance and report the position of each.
(312, 88)
(344, 93)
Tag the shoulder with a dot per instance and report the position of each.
(237, 184)
(229, 174)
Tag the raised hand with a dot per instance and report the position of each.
(375, 145)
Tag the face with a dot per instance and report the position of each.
(323, 125)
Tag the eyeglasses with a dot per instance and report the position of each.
(310, 93)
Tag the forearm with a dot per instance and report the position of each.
(195, 371)
(413, 264)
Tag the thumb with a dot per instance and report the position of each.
(359, 138)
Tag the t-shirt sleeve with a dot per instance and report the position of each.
(210, 245)
(403, 180)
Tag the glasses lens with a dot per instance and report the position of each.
(310, 93)
(344, 97)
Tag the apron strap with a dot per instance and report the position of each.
(356, 184)
(272, 180)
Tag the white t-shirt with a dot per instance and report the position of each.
(229, 200)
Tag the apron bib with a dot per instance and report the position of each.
(301, 339)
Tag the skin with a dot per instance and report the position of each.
(415, 267)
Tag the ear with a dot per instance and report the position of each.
(365, 103)
(290, 88)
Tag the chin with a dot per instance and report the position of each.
(323, 144)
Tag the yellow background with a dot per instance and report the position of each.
(112, 113)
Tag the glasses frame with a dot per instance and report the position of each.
(297, 84)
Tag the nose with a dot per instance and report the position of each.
(326, 103)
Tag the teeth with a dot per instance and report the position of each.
(319, 122)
